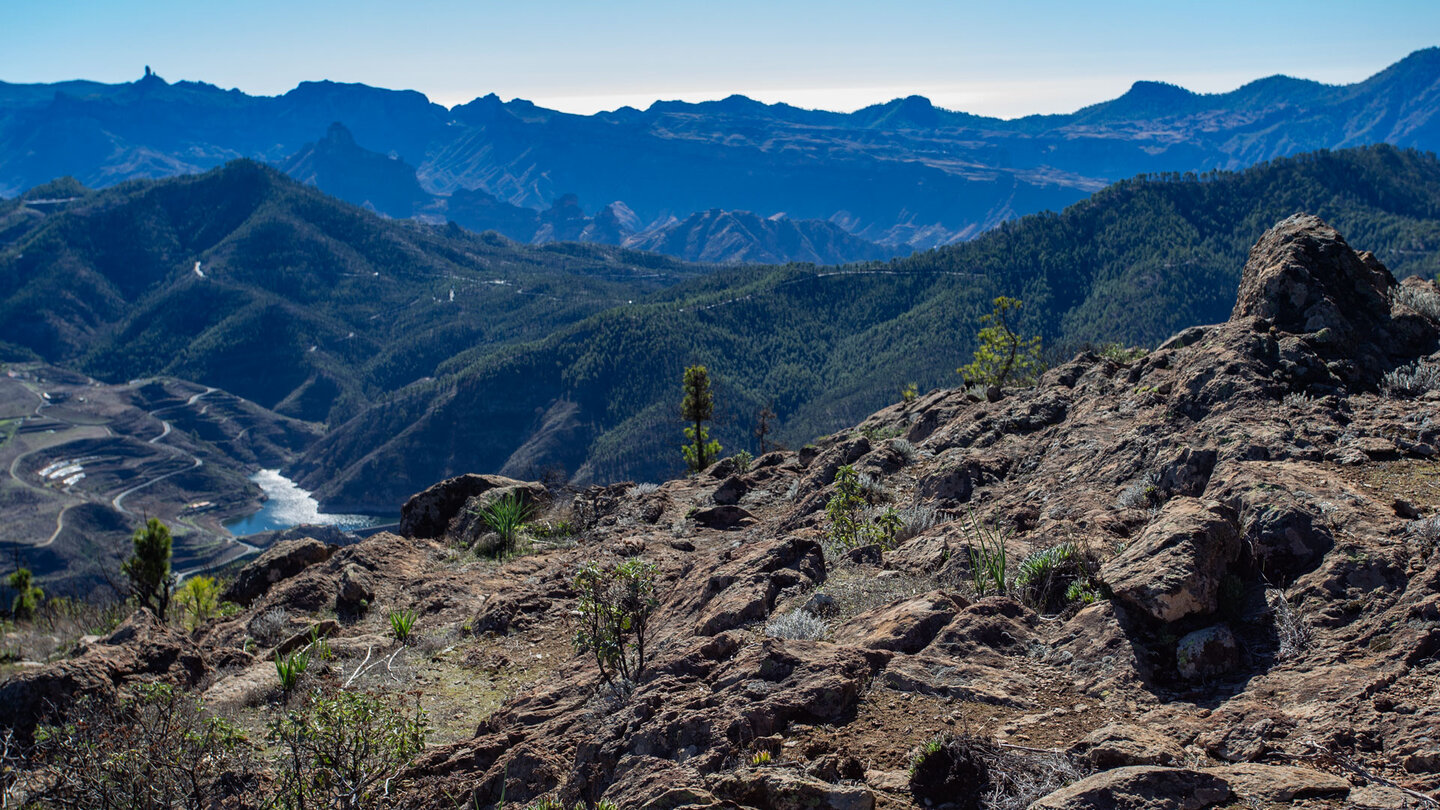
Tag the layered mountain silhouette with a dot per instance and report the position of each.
(905, 175)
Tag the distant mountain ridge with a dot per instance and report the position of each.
(340, 166)
(905, 174)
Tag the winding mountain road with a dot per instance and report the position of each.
(240, 548)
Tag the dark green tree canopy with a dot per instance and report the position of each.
(151, 582)
(698, 406)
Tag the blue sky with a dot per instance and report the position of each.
(995, 58)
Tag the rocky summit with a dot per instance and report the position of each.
(1202, 577)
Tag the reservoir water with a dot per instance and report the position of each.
(288, 505)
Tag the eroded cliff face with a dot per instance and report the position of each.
(1259, 509)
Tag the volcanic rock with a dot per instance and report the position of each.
(280, 561)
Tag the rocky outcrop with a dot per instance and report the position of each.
(429, 513)
(142, 648)
(1141, 787)
(1174, 568)
(280, 561)
(1304, 279)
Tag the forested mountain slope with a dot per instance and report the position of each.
(244, 279)
(599, 398)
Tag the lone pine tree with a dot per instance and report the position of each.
(698, 406)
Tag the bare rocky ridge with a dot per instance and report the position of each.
(1261, 511)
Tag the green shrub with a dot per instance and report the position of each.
(849, 527)
(506, 517)
(1043, 578)
(156, 750)
(151, 581)
(909, 392)
(344, 748)
(402, 623)
(28, 595)
(989, 567)
(290, 667)
(1002, 356)
(199, 601)
(1120, 354)
(742, 461)
(614, 609)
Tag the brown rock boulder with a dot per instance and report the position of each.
(724, 518)
(1303, 277)
(906, 626)
(1255, 782)
(744, 590)
(428, 513)
(780, 789)
(1117, 745)
(1140, 787)
(730, 491)
(281, 561)
(1174, 568)
(1207, 653)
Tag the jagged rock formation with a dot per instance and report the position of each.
(1260, 510)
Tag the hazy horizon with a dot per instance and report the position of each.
(1037, 58)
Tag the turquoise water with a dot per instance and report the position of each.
(287, 505)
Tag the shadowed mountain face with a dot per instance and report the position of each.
(904, 174)
(429, 351)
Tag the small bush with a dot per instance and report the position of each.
(1120, 354)
(1298, 399)
(1142, 494)
(1043, 576)
(1292, 632)
(644, 489)
(916, 519)
(796, 624)
(28, 595)
(1412, 380)
(271, 627)
(290, 668)
(906, 449)
(1427, 530)
(847, 530)
(344, 748)
(909, 392)
(506, 517)
(989, 566)
(876, 433)
(742, 460)
(873, 489)
(613, 610)
(156, 750)
(199, 601)
(1421, 300)
(402, 624)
